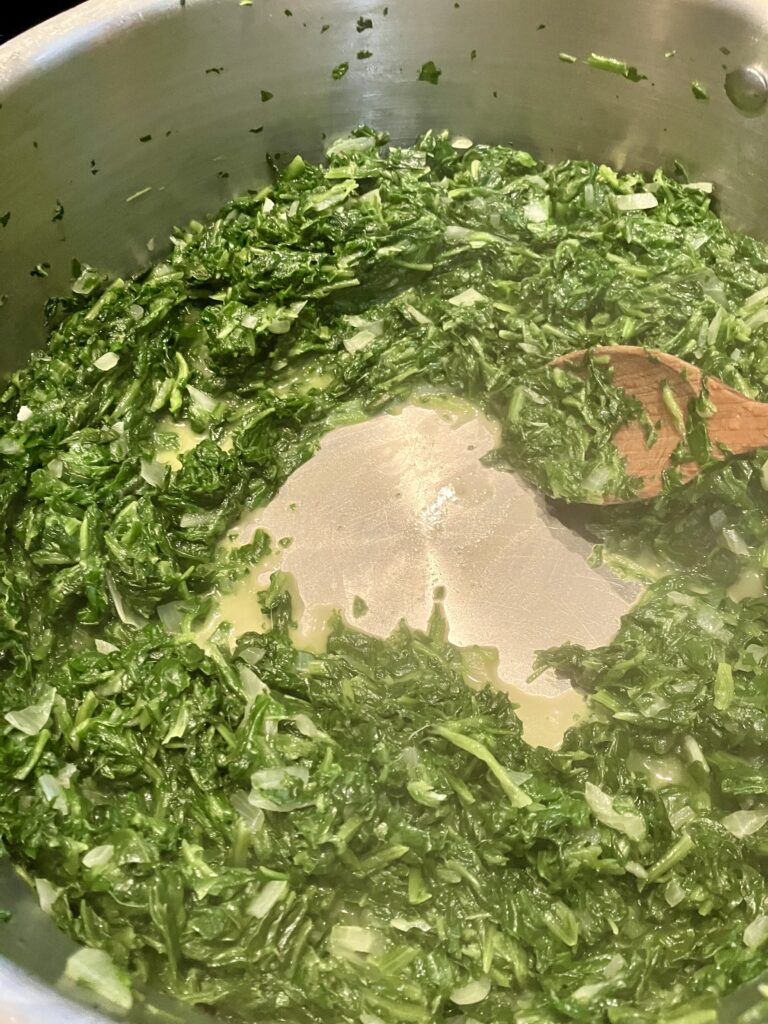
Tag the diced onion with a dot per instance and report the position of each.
(674, 893)
(468, 297)
(98, 856)
(718, 519)
(596, 481)
(458, 233)
(307, 727)
(600, 803)
(359, 341)
(745, 823)
(53, 787)
(586, 993)
(615, 966)
(55, 467)
(417, 315)
(346, 939)
(47, 894)
(24, 414)
(474, 992)
(272, 778)
(712, 623)
(171, 615)
(757, 319)
(94, 969)
(636, 869)
(32, 719)
(694, 752)
(635, 201)
(205, 401)
(756, 932)
(351, 144)
(107, 362)
(757, 298)
(252, 655)
(104, 646)
(196, 519)
(537, 211)
(252, 684)
(153, 473)
(254, 816)
(124, 613)
(735, 542)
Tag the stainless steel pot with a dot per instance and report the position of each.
(135, 115)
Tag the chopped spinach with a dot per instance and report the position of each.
(429, 72)
(358, 835)
(615, 67)
(558, 430)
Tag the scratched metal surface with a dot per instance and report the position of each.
(392, 508)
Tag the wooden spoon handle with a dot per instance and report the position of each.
(738, 423)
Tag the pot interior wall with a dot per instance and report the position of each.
(212, 87)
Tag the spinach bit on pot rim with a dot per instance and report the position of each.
(358, 835)
(615, 67)
(429, 72)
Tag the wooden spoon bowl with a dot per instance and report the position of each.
(737, 424)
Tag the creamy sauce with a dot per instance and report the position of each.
(545, 717)
(186, 437)
(241, 609)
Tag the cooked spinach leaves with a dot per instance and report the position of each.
(358, 836)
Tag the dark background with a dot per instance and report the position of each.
(20, 16)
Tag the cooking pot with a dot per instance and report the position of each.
(122, 118)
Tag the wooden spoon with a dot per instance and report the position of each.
(737, 425)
